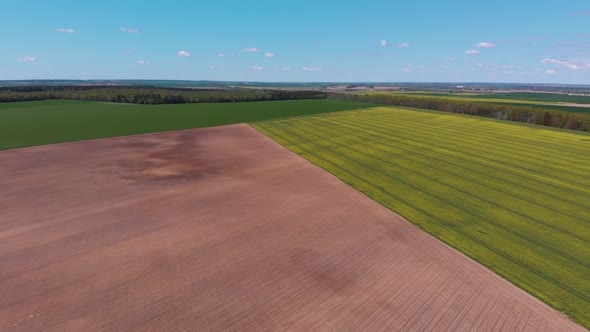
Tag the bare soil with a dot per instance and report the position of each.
(222, 229)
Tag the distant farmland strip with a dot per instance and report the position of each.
(531, 96)
(537, 100)
(490, 108)
(514, 197)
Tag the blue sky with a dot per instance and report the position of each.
(469, 41)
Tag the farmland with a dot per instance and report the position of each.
(524, 96)
(514, 197)
(223, 229)
(508, 96)
(559, 102)
(519, 113)
(44, 122)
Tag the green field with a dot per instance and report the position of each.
(508, 96)
(44, 122)
(525, 96)
(538, 100)
(514, 197)
(541, 97)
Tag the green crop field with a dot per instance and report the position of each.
(514, 197)
(538, 100)
(509, 96)
(541, 97)
(44, 122)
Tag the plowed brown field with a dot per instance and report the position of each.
(223, 229)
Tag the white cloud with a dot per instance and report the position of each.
(404, 45)
(311, 69)
(507, 66)
(26, 59)
(383, 42)
(485, 45)
(251, 49)
(286, 68)
(553, 61)
(216, 67)
(130, 30)
(65, 30)
(551, 72)
(269, 55)
(183, 53)
(472, 52)
(228, 55)
(451, 59)
(561, 63)
(257, 68)
(405, 70)
(141, 62)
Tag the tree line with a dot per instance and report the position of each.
(539, 116)
(150, 95)
(155, 95)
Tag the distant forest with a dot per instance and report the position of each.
(150, 95)
(539, 116)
